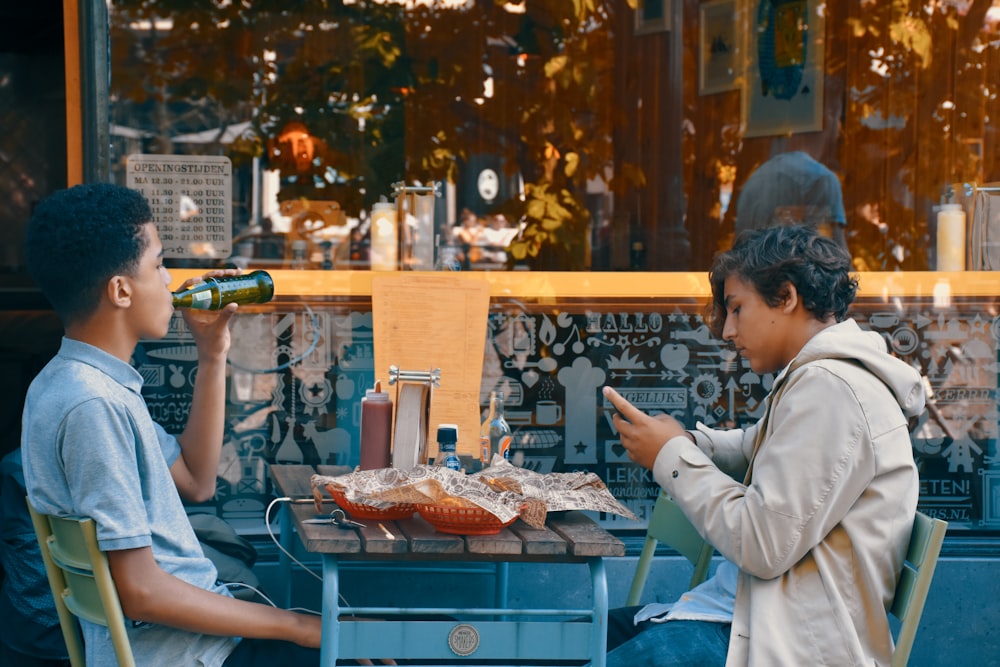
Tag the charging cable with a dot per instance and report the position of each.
(267, 524)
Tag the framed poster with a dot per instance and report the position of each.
(783, 91)
(652, 16)
(718, 46)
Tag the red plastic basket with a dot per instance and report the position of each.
(362, 511)
(462, 520)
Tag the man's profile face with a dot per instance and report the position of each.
(152, 303)
(759, 332)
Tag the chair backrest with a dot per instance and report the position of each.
(669, 525)
(915, 581)
(81, 582)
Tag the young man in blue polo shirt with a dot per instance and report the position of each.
(90, 446)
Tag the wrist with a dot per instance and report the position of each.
(214, 357)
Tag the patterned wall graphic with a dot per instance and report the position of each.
(297, 377)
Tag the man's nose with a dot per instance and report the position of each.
(728, 331)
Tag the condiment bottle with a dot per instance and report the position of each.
(951, 238)
(447, 438)
(216, 293)
(376, 429)
(384, 248)
(494, 434)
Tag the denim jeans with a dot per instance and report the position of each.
(271, 652)
(670, 644)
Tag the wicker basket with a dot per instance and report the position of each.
(462, 520)
(362, 511)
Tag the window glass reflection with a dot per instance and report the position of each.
(605, 140)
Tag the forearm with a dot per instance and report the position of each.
(201, 440)
(149, 594)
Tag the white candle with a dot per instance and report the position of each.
(384, 238)
(951, 238)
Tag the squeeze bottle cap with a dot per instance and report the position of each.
(376, 396)
(447, 433)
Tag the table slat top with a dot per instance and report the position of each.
(567, 536)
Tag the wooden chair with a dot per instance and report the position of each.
(669, 525)
(915, 581)
(81, 583)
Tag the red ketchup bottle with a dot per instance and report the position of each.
(376, 429)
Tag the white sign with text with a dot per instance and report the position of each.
(192, 201)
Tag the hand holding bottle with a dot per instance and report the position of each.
(209, 328)
(220, 288)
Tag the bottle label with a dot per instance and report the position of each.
(201, 300)
(504, 447)
(484, 450)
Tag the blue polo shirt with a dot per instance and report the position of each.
(90, 448)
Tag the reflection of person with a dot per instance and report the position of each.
(296, 148)
(495, 238)
(792, 188)
(813, 504)
(466, 236)
(90, 447)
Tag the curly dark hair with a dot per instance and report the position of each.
(79, 238)
(771, 258)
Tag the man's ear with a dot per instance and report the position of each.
(790, 299)
(120, 291)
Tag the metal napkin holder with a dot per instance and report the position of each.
(411, 427)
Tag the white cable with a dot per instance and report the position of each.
(240, 584)
(267, 524)
(306, 610)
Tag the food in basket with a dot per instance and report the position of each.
(461, 517)
(357, 510)
(481, 503)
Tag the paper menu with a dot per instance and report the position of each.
(422, 321)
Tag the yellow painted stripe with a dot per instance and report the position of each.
(607, 285)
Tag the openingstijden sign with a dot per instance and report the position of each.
(192, 201)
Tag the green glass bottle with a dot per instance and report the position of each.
(215, 293)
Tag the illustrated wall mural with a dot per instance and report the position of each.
(298, 372)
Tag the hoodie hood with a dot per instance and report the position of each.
(846, 340)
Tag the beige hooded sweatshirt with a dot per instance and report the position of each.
(814, 503)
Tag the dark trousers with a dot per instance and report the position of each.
(11, 658)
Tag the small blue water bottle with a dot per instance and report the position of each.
(447, 439)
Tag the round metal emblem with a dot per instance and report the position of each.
(463, 639)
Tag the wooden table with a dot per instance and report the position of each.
(494, 633)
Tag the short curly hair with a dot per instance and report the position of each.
(769, 259)
(79, 238)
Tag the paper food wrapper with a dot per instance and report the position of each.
(502, 489)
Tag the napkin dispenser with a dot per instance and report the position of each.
(411, 429)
